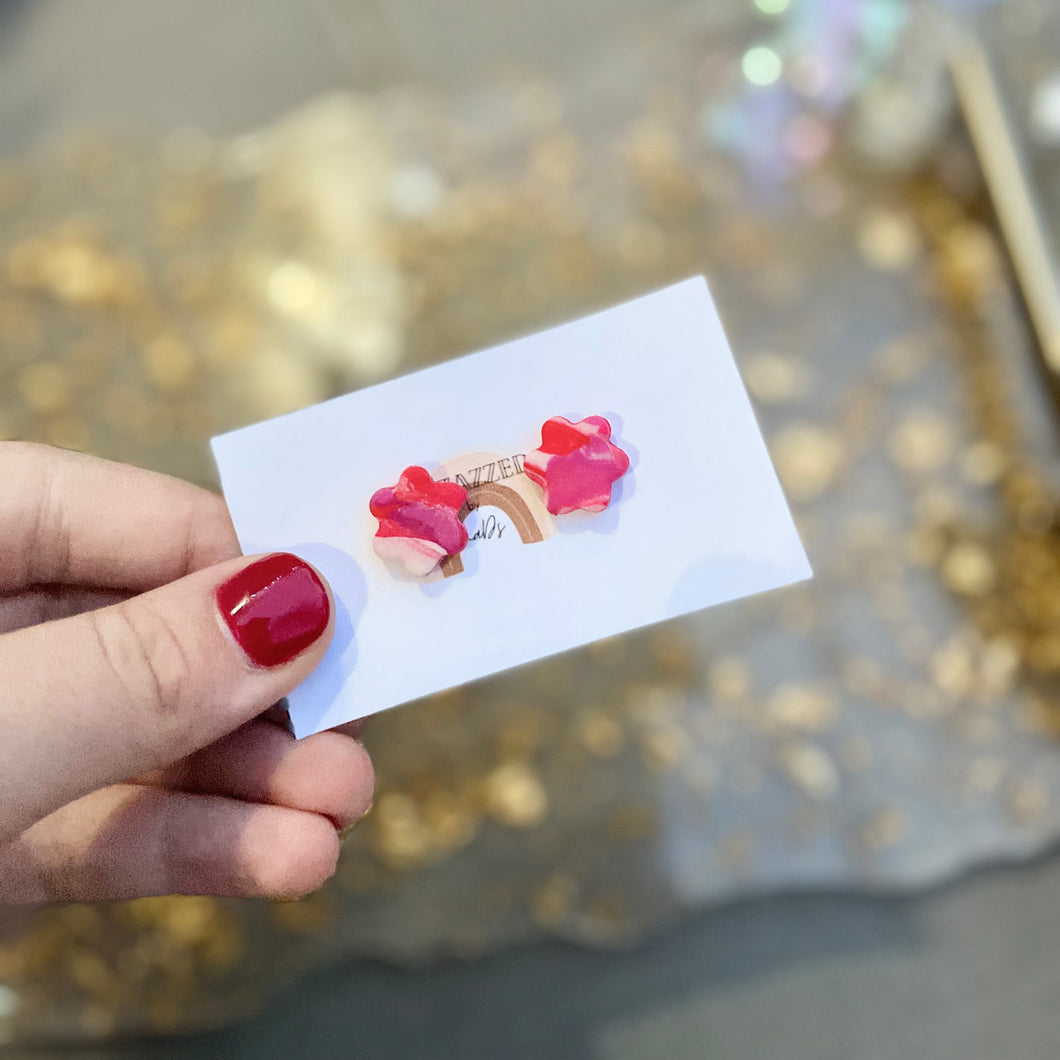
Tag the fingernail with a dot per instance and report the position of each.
(275, 608)
(346, 829)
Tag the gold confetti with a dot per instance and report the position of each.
(729, 679)
(968, 568)
(952, 668)
(810, 770)
(43, 387)
(515, 796)
(884, 828)
(170, 365)
(664, 747)
(808, 459)
(801, 707)
(922, 442)
(777, 379)
(902, 359)
(864, 676)
(982, 464)
(889, 240)
(601, 734)
(399, 833)
(554, 900)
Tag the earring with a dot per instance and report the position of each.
(419, 521)
(576, 464)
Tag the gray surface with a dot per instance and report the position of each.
(968, 973)
(138, 69)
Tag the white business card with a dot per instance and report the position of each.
(699, 517)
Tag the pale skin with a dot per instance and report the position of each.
(134, 757)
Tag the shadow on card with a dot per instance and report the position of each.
(350, 592)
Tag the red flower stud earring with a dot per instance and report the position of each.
(576, 465)
(419, 520)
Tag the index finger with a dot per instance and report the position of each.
(71, 519)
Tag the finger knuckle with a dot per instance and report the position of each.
(146, 656)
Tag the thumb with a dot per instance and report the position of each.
(108, 694)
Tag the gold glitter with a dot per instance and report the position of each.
(884, 828)
(282, 382)
(902, 359)
(799, 612)
(864, 676)
(1037, 716)
(808, 459)
(969, 261)
(169, 363)
(520, 736)
(889, 240)
(672, 655)
(982, 464)
(801, 707)
(809, 769)
(601, 734)
(294, 289)
(937, 504)
(608, 912)
(191, 919)
(555, 160)
(69, 265)
(450, 821)
(968, 568)
(867, 529)
(398, 830)
(922, 442)
(952, 668)
(309, 916)
(655, 706)
(729, 679)
(925, 545)
(630, 824)
(998, 666)
(43, 387)
(640, 244)
(554, 900)
(776, 379)
(89, 971)
(97, 1020)
(515, 796)
(19, 325)
(664, 747)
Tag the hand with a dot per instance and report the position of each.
(138, 653)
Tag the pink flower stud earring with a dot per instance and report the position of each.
(576, 465)
(419, 520)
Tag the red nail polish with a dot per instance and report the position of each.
(275, 608)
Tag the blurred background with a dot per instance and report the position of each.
(819, 824)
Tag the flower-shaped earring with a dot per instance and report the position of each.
(419, 520)
(576, 465)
